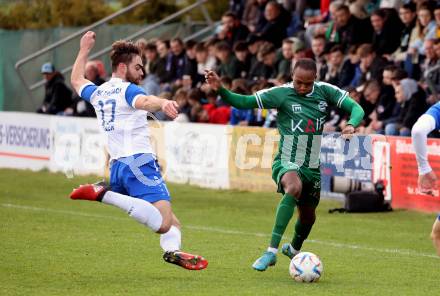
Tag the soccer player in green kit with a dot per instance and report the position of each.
(302, 111)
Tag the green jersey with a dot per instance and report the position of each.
(301, 119)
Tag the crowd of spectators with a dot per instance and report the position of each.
(386, 54)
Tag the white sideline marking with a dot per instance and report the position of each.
(402, 252)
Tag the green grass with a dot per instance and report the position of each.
(50, 245)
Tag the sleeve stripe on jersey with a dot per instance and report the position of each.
(87, 90)
(341, 99)
(259, 102)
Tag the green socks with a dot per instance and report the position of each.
(284, 214)
(301, 233)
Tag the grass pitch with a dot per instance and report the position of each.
(51, 245)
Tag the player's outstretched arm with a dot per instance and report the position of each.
(154, 104)
(234, 99)
(77, 78)
(419, 133)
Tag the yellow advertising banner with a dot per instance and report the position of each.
(250, 159)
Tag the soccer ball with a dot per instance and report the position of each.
(305, 267)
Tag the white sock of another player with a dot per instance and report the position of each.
(171, 241)
(140, 210)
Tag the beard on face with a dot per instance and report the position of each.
(133, 78)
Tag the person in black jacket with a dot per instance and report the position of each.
(412, 99)
(387, 30)
(232, 29)
(58, 96)
(350, 29)
(277, 20)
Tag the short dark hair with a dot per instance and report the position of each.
(365, 49)
(411, 6)
(390, 68)
(266, 49)
(200, 47)
(150, 47)
(336, 48)
(399, 74)
(123, 52)
(178, 40)
(190, 44)
(223, 46)
(305, 64)
(380, 13)
(230, 14)
(344, 8)
(240, 46)
(372, 84)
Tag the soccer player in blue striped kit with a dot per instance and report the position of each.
(427, 178)
(136, 184)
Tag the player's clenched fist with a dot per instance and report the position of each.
(212, 79)
(88, 40)
(170, 109)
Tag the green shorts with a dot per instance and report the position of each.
(311, 181)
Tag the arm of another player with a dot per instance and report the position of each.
(419, 133)
(234, 99)
(77, 78)
(154, 104)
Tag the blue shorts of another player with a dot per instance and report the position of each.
(438, 217)
(138, 176)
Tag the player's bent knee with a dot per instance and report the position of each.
(294, 190)
(164, 227)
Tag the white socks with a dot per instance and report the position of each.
(272, 250)
(140, 210)
(171, 241)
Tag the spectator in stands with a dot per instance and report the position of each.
(228, 63)
(318, 50)
(324, 27)
(274, 29)
(152, 67)
(254, 42)
(408, 16)
(243, 59)
(163, 47)
(285, 63)
(416, 51)
(251, 15)
(332, 73)
(412, 99)
(384, 105)
(237, 7)
(431, 70)
(191, 61)
(386, 36)
(204, 61)
(425, 27)
(187, 83)
(265, 68)
(82, 107)
(176, 62)
(58, 96)
(349, 29)
(371, 64)
(232, 29)
(217, 114)
(260, 18)
(435, 33)
(181, 97)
